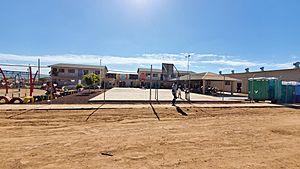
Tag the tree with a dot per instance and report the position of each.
(91, 78)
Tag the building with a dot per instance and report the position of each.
(159, 79)
(200, 82)
(283, 74)
(72, 74)
(122, 79)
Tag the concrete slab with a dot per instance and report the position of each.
(143, 95)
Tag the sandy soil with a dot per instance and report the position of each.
(151, 138)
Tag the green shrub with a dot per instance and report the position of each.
(91, 79)
(79, 86)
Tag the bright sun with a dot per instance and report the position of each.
(140, 2)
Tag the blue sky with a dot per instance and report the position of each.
(127, 34)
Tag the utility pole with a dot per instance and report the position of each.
(188, 69)
(39, 69)
(223, 85)
(150, 84)
(189, 75)
(100, 82)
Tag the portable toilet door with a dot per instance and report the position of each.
(288, 92)
(297, 93)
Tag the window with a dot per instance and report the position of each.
(155, 75)
(97, 72)
(85, 72)
(111, 75)
(54, 72)
(71, 70)
(227, 82)
(61, 70)
(131, 76)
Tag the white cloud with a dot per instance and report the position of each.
(283, 65)
(231, 62)
(197, 61)
(226, 69)
(294, 57)
(92, 59)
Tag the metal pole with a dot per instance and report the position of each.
(19, 87)
(51, 86)
(223, 88)
(252, 90)
(188, 69)
(104, 87)
(189, 76)
(155, 96)
(100, 78)
(150, 82)
(157, 91)
(39, 69)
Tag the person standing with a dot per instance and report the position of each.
(179, 91)
(174, 93)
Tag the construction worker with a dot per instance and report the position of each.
(174, 93)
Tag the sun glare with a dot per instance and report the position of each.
(140, 3)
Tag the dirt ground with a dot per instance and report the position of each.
(170, 137)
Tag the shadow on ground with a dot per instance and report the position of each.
(155, 113)
(179, 110)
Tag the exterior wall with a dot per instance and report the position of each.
(123, 80)
(145, 75)
(196, 85)
(285, 75)
(67, 78)
(227, 85)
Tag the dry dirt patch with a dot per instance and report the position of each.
(151, 138)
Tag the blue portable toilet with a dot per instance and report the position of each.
(297, 92)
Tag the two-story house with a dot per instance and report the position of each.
(72, 74)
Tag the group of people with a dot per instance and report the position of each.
(176, 92)
(51, 89)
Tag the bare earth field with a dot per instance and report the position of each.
(170, 137)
